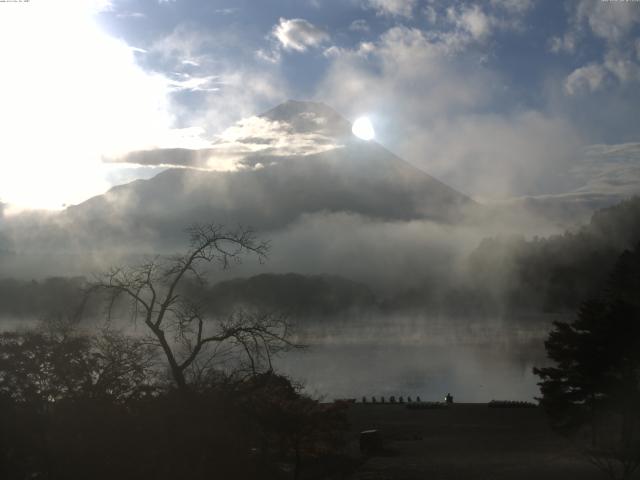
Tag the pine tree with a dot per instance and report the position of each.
(592, 393)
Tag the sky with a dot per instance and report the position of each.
(499, 98)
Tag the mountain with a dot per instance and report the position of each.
(298, 158)
(328, 201)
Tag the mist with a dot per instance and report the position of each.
(402, 312)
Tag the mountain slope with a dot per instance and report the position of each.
(272, 187)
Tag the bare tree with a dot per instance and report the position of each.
(178, 321)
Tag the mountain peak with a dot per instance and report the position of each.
(309, 117)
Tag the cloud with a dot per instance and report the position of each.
(588, 78)
(463, 24)
(401, 8)
(262, 136)
(563, 44)
(294, 35)
(183, 44)
(359, 25)
(433, 104)
(494, 155)
(612, 22)
(130, 15)
(601, 176)
(211, 87)
(622, 66)
(187, 82)
(513, 6)
(472, 20)
(612, 170)
(297, 34)
(241, 145)
(408, 72)
(243, 91)
(617, 68)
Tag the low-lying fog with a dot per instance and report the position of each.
(414, 265)
(474, 361)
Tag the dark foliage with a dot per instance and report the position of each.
(41, 368)
(72, 409)
(593, 391)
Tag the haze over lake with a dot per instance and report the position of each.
(475, 363)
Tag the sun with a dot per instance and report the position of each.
(363, 129)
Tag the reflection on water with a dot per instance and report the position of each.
(477, 368)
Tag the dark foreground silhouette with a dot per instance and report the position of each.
(465, 442)
(259, 427)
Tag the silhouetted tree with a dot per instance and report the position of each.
(63, 396)
(293, 426)
(40, 368)
(592, 394)
(176, 318)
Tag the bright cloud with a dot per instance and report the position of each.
(247, 144)
(184, 81)
(258, 135)
(298, 34)
(70, 94)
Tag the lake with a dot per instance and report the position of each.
(474, 362)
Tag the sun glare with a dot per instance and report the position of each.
(70, 95)
(363, 129)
